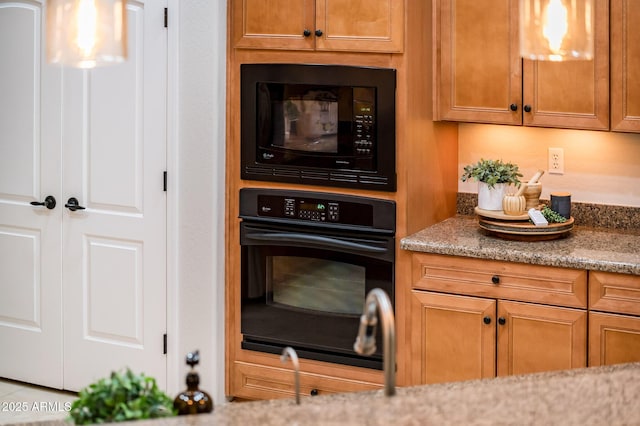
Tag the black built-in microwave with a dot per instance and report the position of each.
(327, 125)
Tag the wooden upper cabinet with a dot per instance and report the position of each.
(480, 76)
(273, 24)
(625, 66)
(571, 94)
(478, 70)
(329, 25)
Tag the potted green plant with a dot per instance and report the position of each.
(493, 176)
(121, 397)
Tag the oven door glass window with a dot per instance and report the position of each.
(322, 285)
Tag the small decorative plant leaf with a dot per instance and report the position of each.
(552, 216)
(121, 397)
(492, 172)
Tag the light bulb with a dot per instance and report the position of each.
(555, 24)
(86, 33)
(87, 25)
(556, 30)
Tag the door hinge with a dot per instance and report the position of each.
(166, 18)
(164, 181)
(164, 344)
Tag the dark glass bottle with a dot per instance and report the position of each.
(193, 400)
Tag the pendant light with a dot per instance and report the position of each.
(86, 33)
(557, 30)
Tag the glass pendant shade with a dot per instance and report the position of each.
(557, 30)
(86, 33)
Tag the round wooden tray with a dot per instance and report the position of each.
(499, 214)
(525, 230)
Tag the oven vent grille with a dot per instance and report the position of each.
(316, 177)
(311, 174)
(375, 180)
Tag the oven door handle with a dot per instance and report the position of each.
(317, 240)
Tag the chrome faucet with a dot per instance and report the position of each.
(366, 341)
(289, 352)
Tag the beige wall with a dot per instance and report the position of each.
(600, 167)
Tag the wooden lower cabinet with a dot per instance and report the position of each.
(458, 337)
(614, 318)
(533, 338)
(613, 339)
(450, 340)
(253, 381)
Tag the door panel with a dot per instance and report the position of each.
(537, 338)
(479, 71)
(114, 261)
(450, 339)
(30, 258)
(571, 94)
(625, 69)
(613, 339)
(113, 157)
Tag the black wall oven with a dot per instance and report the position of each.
(308, 261)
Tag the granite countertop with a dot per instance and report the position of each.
(587, 396)
(584, 248)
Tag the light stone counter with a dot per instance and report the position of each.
(585, 248)
(591, 396)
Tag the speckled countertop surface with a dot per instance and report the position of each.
(589, 396)
(596, 249)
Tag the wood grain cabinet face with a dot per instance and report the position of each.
(450, 338)
(535, 338)
(327, 25)
(481, 334)
(254, 381)
(614, 320)
(625, 66)
(480, 77)
(613, 339)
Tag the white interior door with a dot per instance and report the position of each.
(30, 236)
(114, 157)
(82, 293)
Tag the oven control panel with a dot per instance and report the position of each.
(315, 210)
(317, 207)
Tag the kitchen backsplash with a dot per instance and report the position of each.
(585, 214)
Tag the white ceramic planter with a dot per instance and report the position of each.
(491, 198)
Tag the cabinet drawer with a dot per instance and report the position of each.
(612, 292)
(262, 382)
(504, 280)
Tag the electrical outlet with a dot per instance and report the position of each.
(556, 161)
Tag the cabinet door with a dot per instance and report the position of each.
(348, 25)
(360, 25)
(625, 66)
(534, 338)
(571, 94)
(452, 337)
(273, 24)
(480, 76)
(478, 67)
(613, 339)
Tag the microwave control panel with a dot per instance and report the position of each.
(364, 121)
